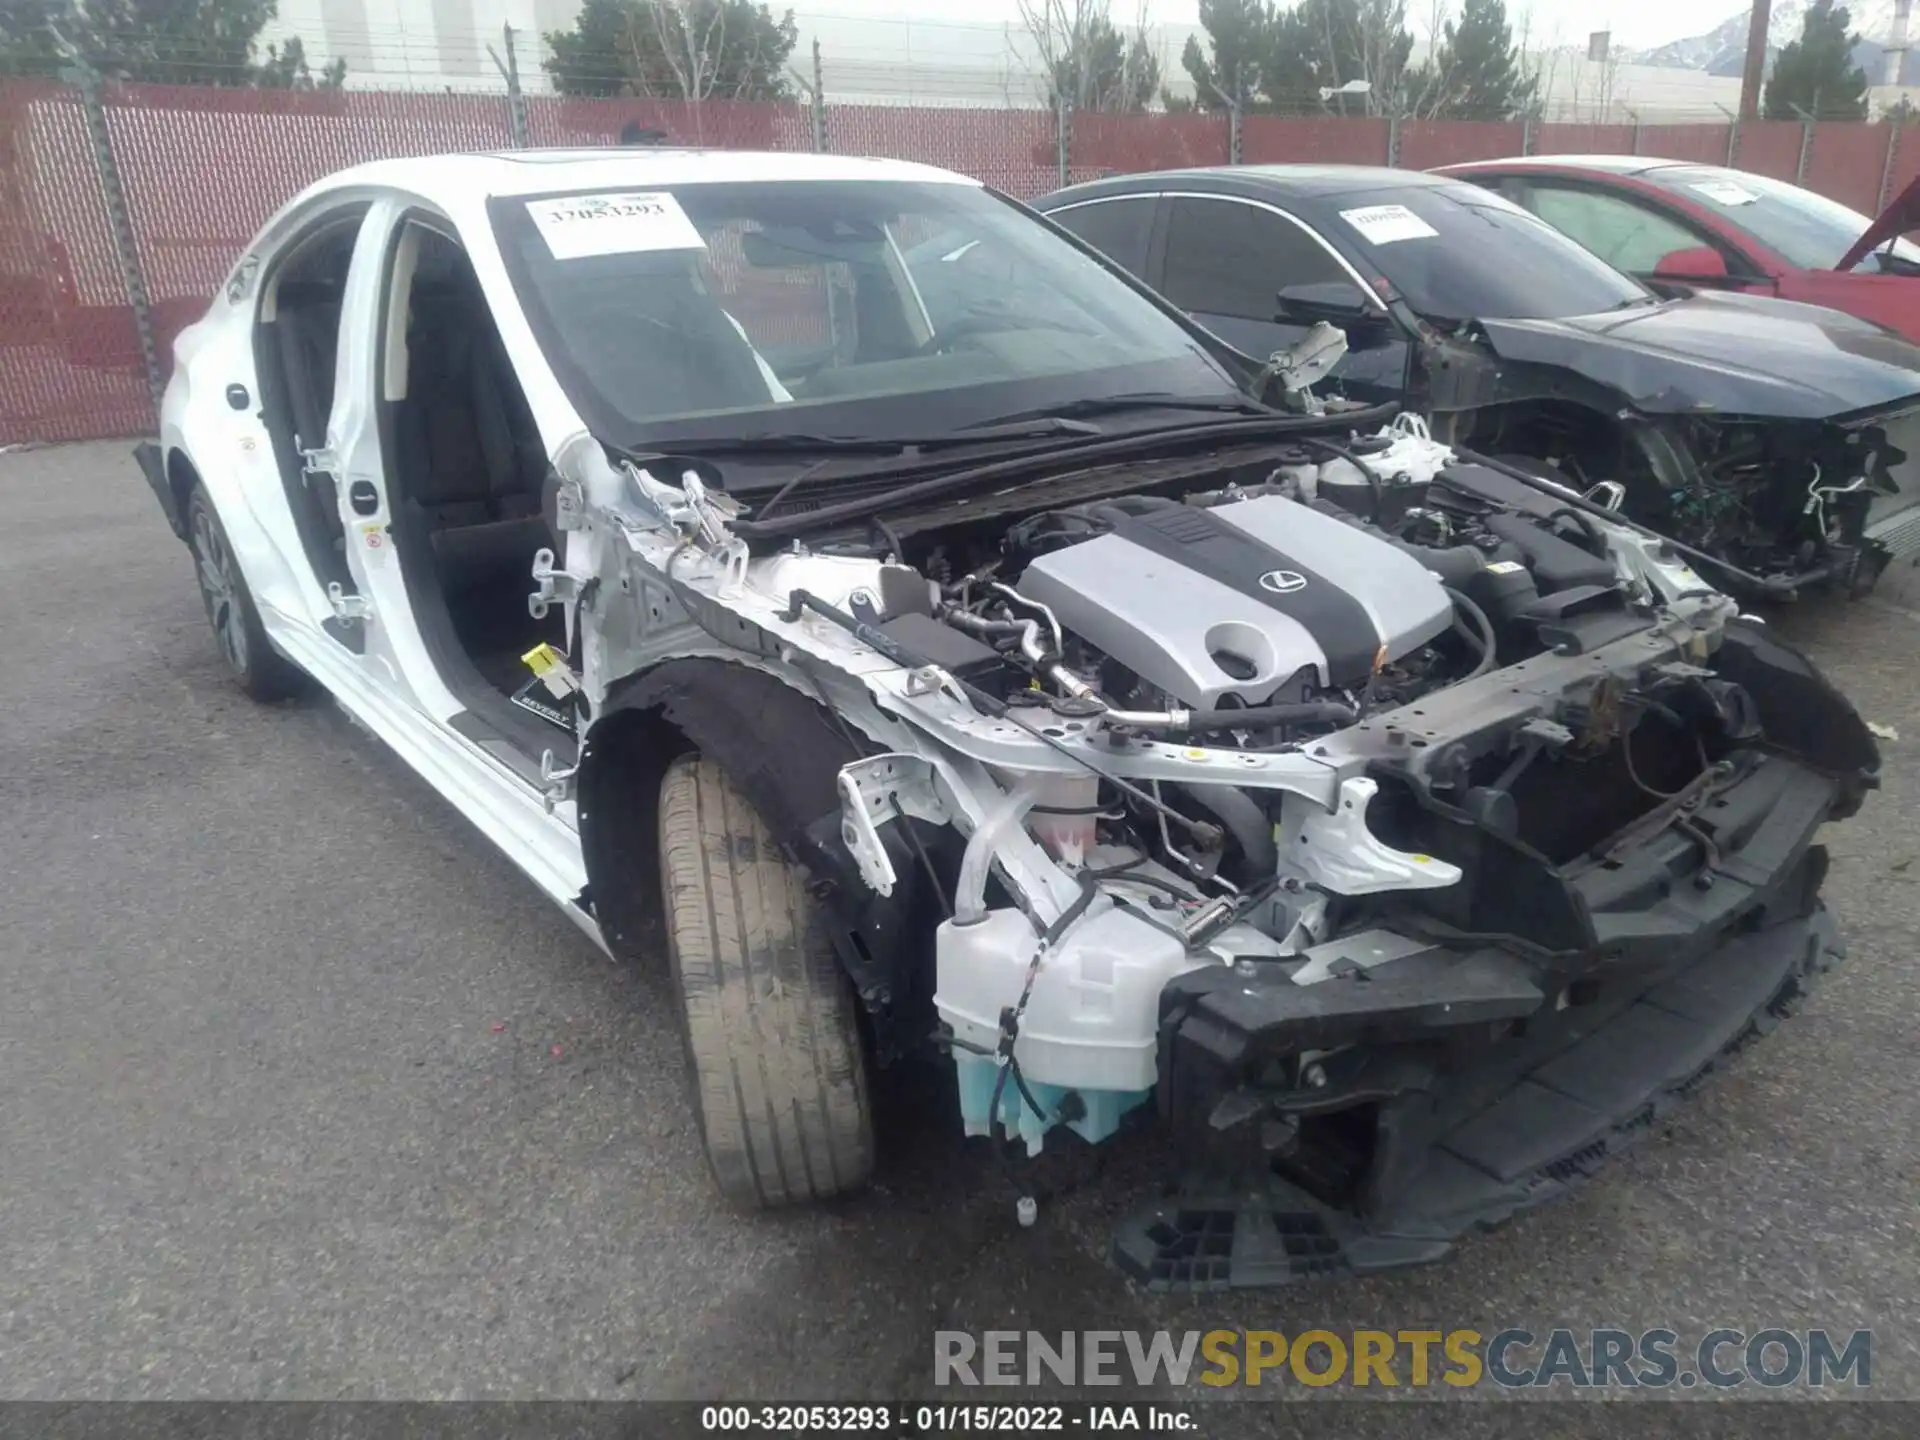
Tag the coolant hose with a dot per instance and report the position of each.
(970, 891)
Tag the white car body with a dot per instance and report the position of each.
(635, 553)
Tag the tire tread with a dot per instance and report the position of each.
(774, 1056)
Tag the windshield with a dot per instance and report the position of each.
(1806, 230)
(1457, 252)
(826, 308)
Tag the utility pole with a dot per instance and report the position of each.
(1756, 66)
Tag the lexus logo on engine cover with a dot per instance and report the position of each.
(1283, 582)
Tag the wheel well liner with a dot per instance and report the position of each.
(784, 751)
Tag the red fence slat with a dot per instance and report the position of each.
(1847, 161)
(1583, 139)
(1771, 147)
(1120, 144)
(1313, 140)
(1701, 144)
(1426, 144)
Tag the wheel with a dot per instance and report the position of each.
(773, 1055)
(256, 666)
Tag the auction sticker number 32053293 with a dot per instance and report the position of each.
(578, 226)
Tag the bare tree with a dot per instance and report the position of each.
(1428, 87)
(1085, 60)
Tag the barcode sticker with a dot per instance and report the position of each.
(584, 225)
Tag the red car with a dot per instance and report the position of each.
(1708, 226)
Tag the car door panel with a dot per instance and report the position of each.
(232, 453)
(392, 645)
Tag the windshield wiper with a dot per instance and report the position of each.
(1266, 425)
(1139, 400)
(1015, 428)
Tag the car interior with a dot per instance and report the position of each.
(467, 471)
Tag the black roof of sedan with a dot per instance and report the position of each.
(1307, 181)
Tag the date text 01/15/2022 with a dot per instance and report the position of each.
(944, 1419)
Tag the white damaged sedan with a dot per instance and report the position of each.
(830, 573)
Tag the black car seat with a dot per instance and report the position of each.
(469, 451)
(306, 329)
(645, 331)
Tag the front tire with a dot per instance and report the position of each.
(257, 668)
(773, 1054)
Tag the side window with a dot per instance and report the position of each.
(1118, 229)
(1626, 235)
(1226, 257)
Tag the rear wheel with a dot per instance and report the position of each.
(256, 666)
(773, 1054)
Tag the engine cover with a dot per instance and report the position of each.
(1236, 599)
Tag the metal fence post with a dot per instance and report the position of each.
(516, 101)
(817, 105)
(1063, 135)
(1526, 133)
(1806, 147)
(1886, 169)
(1634, 115)
(1733, 141)
(1236, 135)
(120, 221)
(1393, 140)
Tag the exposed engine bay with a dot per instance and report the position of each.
(1281, 802)
(1781, 506)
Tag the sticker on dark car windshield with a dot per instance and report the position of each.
(1384, 224)
(578, 226)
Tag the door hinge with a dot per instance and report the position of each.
(556, 781)
(323, 461)
(552, 585)
(345, 606)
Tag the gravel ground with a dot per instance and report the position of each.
(263, 1136)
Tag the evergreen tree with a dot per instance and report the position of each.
(168, 42)
(1478, 72)
(1105, 70)
(1324, 44)
(1241, 32)
(674, 50)
(1815, 75)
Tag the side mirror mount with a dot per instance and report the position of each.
(1334, 302)
(1692, 266)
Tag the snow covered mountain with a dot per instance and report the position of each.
(1723, 49)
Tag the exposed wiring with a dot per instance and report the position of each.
(1817, 497)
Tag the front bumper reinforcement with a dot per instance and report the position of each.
(1532, 1118)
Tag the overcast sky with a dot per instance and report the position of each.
(1635, 23)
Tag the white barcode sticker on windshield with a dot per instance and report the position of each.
(1384, 224)
(1726, 192)
(583, 225)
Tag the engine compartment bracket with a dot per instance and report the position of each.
(876, 790)
(1336, 849)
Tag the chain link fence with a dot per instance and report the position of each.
(122, 206)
